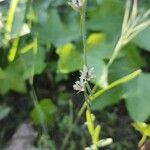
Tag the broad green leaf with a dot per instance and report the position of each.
(55, 31)
(109, 98)
(2, 74)
(137, 97)
(4, 111)
(69, 58)
(24, 67)
(142, 127)
(44, 112)
(94, 60)
(115, 84)
(33, 63)
(142, 40)
(96, 53)
(133, 57)
(107, 17)
(129, 61)
(12, 79)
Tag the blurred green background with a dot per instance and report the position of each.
(41, 39)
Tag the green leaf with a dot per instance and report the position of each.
(12, 79)
(4, 111)
(109, 98)
(115, 95)
(70, 59)
(53, 30)
(2, 74)
(44, 112)
(137, 97)
(142, 40)
(95, 38)
(94, 60)
(132, 56)
(97, 50)
(21, 69)
(142, 127)
(33, 63)
(107, 17)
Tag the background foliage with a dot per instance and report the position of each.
(41, 39)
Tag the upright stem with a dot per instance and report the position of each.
(142, 141)
(115, 52)
(66, 140)
(83, 31)
(36, 105)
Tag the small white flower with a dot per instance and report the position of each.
(76, 4)
(87, 73)
(79, 86)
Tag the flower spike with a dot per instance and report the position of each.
(79, 86)
(77, 4)
(87, 73)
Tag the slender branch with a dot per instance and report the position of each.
(65, 141)
(142, 141)
(83, 31)
(99, 93)
(36, 105)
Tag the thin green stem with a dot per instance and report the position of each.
(142, 141)
(34, 96)
(116, 51)
(87, 100)
(89, 88)
(98, 94)
(36, 105)
(83, 31)
(65, 141)
(116, 83)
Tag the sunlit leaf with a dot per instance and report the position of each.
(69, 58)
(95, 38)
(13, 50)
(142, 127)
